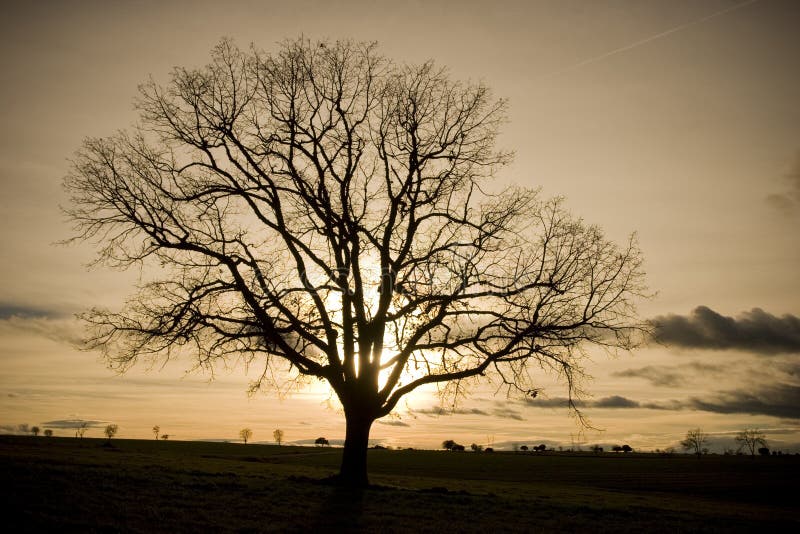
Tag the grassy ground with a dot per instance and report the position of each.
(84, 485)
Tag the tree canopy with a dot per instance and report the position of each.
(328, 212)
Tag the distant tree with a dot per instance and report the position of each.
(165, 437)
(324, 210)
(81, 430)
(448, 444)
(597, 449)
(156, 430)
(111, 431)
(35, 430)
(695, 441)
(764, 451)
(750, 439)
(277, 434)
(616, 448)
(540, 448)
(23, 428)
(457, 447)
(626, 448)
(48, 432)
(489, 449)
(322, 442)
(476, 448)
(245, 434)
(524, 448)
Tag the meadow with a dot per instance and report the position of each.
(91, 485)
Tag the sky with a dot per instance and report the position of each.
(679, 120)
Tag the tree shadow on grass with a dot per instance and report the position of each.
(340, 510)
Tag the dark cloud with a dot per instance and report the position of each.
(502, 412)
(393, 422)
(507, 413)
(66, 330)
(73, 423)
(437, 410)
(788, 201)
(755, 331)
(613, 401)
(670, 376)
(656, 375)
(8, 310)
(781, 400)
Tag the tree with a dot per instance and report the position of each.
(626, 448)
(35, 430)
(156, 430)
(81, 430)
(245, 434)
(322, 442)
(695, 441)
(448, 444)
(48, 432)
(111, 431)
(476, 448)
(327, 213)
(278, 435)
(165, 437)
(750, 440)
(524, 448)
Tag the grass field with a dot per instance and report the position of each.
(85, 485)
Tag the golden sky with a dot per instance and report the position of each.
(679, 120)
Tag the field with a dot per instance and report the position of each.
(87, 485)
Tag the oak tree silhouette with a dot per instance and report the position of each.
(323, 211)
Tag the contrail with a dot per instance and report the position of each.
(649, 39)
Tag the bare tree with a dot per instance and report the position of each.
(696, 441)
(156, 430)
(110, 431)
(328, 213)
(751, 439)
(245, 434)
(81, 430)
(277, 434)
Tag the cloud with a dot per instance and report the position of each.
(393, 422)
(779, 400)
(61, 330)
(657, 375)
(788, 201)
(665, 376)
(754, 331)
(9, 309)
(438, 410)
(613, 401)
(501, 412)
(73, 423)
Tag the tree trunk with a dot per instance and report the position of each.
(353, 471)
